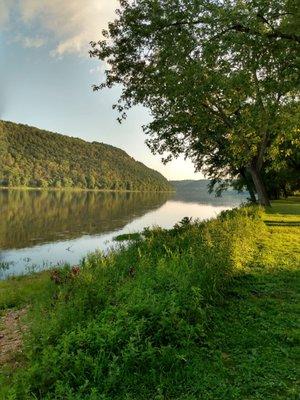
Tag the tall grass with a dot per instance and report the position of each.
(130, 325)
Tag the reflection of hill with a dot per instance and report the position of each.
(35, 217)
(197, 192)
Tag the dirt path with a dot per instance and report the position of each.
(11, 329)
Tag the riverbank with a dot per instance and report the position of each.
(205, 311)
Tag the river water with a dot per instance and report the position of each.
(40, 229)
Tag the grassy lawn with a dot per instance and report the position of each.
(138, 306)
(284, 212)
(256, 330)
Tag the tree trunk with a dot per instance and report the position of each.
(248, 184)
(251, 191)
(263, 198)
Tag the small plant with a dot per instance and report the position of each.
(63, 275)
(184, 223)
(128, 236)
(5, 265)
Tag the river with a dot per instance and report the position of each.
(41, 229)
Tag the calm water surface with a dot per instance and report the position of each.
(40, 229)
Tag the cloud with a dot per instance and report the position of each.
(32, 42)
(69, 25)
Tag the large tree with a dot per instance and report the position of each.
(219, 78)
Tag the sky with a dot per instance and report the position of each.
(46, 77)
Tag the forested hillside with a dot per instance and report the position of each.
(33, 157)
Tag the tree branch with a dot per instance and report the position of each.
(275, 34)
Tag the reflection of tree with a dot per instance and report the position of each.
(34, 217)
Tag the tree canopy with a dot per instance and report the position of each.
(219, 77)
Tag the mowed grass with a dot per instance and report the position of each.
(194, 313)
(284, 212)
(256, 330)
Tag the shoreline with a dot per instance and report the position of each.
(71, 189)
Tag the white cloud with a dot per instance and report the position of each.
(32, 42)
(69, 24)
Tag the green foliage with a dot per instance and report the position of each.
(283, 166)
(281, 169)
(132, 324)
(220, 79)
(128, 236)
(38, 158)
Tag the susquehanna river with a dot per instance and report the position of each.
(40, 229)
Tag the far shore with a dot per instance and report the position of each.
(77, 189)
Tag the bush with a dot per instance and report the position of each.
(130, 324)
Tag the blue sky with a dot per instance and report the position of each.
(46, 77)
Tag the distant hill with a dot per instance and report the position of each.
(37, 158)
(196, 191)
(191, 185)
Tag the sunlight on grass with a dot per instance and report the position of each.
(290, 206)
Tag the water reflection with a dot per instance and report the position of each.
(46, 228)
(29, 218)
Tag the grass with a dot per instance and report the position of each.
(256, 329)
(284, 212)
(19, 291)
(204, 311)
(127, 236)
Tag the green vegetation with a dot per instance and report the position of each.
(36, 158)
(130, 322)
(203, 311)
(206, 310)
(19, 291)
(221, 81)
(286, 207)
(127, 236)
